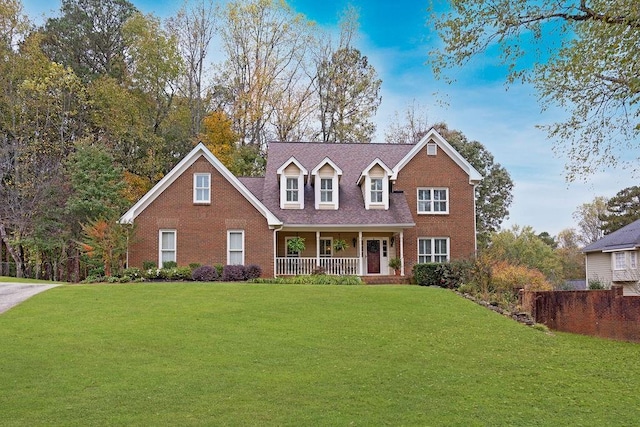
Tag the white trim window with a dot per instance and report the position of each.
(167, 247)
(326, 190)
(235, 247)
(633, 260)
(376, 190)
(292, 189)
(202, 188)
(433, 250)
(433, 201)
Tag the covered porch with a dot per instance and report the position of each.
(338, 252)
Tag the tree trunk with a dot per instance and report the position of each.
(14, 254)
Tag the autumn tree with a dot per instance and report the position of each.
(407, 126)
(588, 216)
(586, 60)
(622, 209)
(87, 36)
(218, 136)
(521, 246)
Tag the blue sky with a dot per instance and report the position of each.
(396, 37)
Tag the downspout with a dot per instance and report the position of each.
(275, 249)
(402, 252)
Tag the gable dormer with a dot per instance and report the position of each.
(374, 183)
(326, 180)
(291, 176)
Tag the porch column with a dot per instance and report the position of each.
(317, 248)
(402, 252)
(361, 262)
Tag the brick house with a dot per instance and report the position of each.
(356, 206)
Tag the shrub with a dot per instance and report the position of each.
(219, 267)
(595, 284)
(169, 264)
(194, 265)
(205, 273)
(318, 279)
(234, 273)
(427, 274)
(252, 271)
(178, 273)
(132, 274)
(148, 265)
(509, 278)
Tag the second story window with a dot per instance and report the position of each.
(376, 190)
(433, 200)
(326, 190)
(292, 189)
(202, 188)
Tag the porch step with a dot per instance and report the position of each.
(386, 280)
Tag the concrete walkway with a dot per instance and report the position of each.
(12, 294)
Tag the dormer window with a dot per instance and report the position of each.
(374, 183)
(292, 189)
(376, 190)
(291, 176)
(326, 177)
(326, 190)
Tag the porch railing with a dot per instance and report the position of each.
(303, 266)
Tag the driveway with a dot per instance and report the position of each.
(12, 294)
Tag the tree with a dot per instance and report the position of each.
(548, 239)
(622, 209)
(266, 44)
(218, 136)
(588, 63)
(88, 37)
(493, 193)
(194, 28)
(348, 88)
(571, 257)
(409, 127)
(589, 220)
(521, 246)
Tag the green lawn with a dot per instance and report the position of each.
(238, 354)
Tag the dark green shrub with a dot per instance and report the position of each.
(169, 264)
(194, 265)
(219, 267)
(427, 274)
(132, 274)
(205, 273)
(148, 265)
(178, 273)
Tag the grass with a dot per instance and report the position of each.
(6, 279)
(248, 354)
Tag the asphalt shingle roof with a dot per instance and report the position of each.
(353, 160)
(625, 238)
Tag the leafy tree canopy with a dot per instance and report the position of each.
(588, 63)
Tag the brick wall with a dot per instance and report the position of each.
(458, 225)
(602, 313)
(201, 230)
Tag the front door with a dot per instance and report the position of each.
(373, 256)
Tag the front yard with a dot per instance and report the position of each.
(249, 354)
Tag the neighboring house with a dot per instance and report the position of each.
(614, 259)
(414, 202)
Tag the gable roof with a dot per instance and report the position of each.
(628, 237)
(326, 161)
(375, 162)
(199, 151)
(434, 136)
